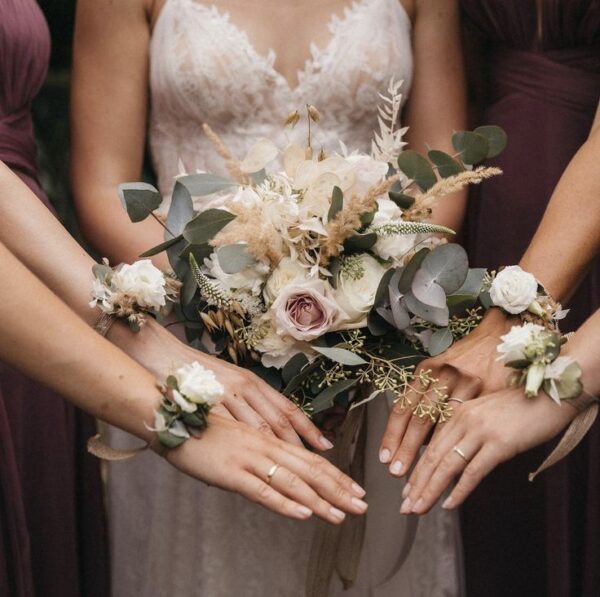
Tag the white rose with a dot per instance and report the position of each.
(277, 350)
(198, 384)
(285, 273)
(250, 279)
(142, 281)
(517, 339)
(513, 289)
(367, 172)
(394, 246)
(306, 309)
(358, 281)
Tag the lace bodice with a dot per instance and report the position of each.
(205, 69)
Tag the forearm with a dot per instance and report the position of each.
(43, 338)
(568, 237)
(584, 347)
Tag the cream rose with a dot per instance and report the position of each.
(285, 273)
(142, 281)
(276, 350)
(395, 246)
(306, 310)
(198, 384)
(513, 289)
(357, 285)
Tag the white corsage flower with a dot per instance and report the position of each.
(514, 343)
(198, 384)
(357, 284)
(513, 290)
(143, 282)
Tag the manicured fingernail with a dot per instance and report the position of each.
(385, 456)
(358, 490)
(406, 490)
(406, 506)
(448, 503)
(325, 443)
(418, 505)
(396, 467)
(337, 513)
(362, 506)
(304, 512)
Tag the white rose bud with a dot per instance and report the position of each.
(199, 384)
(142, 281)
(514, 290)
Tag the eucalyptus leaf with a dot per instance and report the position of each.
(376, 324)
(400, 314)
(169, 440)
(234, 258)
(259, 177)
(427, 290)
(162, 247)
(140, 199)
(415, 166)
(334, 270)
(206, 225)
(326, 398)
(496, 138)
(367, 218)
(205, 184)
(473, 148)
(440, 341)
(382, 290)
(447, 265)
(181, 210)
(446, 164)
(189, 288)
(337, 203)
(402, 200)
(431, 314)
(473, 282)
(410, 270)
(340, 355)
(293, 367)
(269, 374)
(360, 242)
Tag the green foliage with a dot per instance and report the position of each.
(416, 167)
(140, 199)
(206, 225)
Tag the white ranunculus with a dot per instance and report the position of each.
(517, 339)
(394, 246)
(185, 405)
(101, 294)
(285, 273)
(248, 280)
(357, 285)
(276, 350)
(513, 289)
(306, 309)
(142, 281)
(198, 384)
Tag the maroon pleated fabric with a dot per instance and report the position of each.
(52, 526)
(542, 85)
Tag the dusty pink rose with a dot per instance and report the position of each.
(306, 310)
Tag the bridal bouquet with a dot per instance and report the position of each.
(324, 274)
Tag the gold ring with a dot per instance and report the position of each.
(460, 400)
(271, 473)
(460, 453)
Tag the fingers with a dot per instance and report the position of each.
(300, 422)
(396, 426)
(259, 491)
(221, 410)
(243, 412)
(275, 417)
(482, 464)
(328, 482)
(448, 468)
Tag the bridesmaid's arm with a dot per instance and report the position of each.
(568, 238)
(43, 338)
(37, 238)
(437, 102)
(109, 114)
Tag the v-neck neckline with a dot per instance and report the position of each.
(316, 53)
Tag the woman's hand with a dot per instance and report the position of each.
(237, 458)
(487, 431)
(248, 398)
(465, 371)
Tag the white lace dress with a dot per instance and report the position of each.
(173, 536)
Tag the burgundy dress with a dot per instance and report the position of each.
(52, 531)
(542, 85)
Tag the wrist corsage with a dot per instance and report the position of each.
(189, 395)
(535, 353)
(517, 292)
(131, 292)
